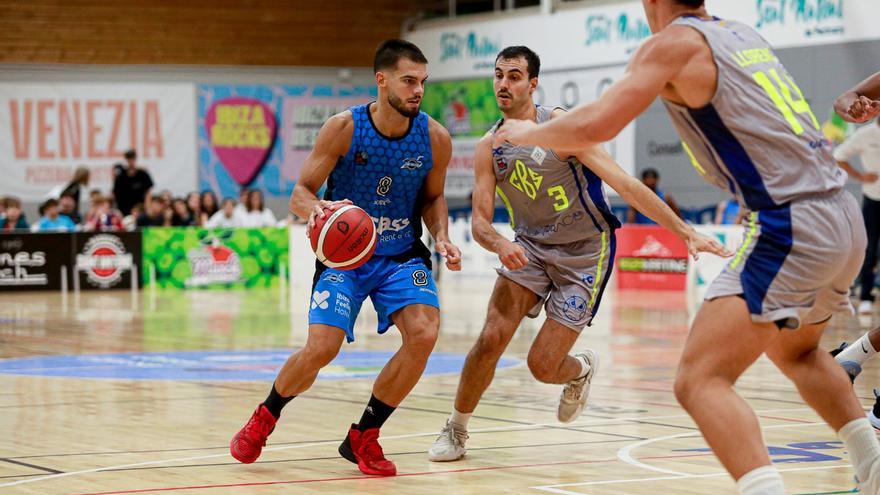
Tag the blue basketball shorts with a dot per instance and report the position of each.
(337, 295)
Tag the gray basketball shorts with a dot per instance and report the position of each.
(797, 262)
(568, 279)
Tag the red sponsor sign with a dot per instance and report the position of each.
(650, 257)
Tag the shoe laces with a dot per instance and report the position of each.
(452, 435)
(258, 426)
(370, 444)
(574, 389)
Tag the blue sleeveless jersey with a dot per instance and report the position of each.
(384, 176)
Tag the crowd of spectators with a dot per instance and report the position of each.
(134, 204)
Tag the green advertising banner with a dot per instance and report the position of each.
(196, 258)
(466, 108)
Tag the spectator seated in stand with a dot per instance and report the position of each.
(182, 216)
(14, 217)
(67, 208)
(51, 220)
(129, 222)
(153, 215)
(227, 217)
(104, 218)
(257, 213)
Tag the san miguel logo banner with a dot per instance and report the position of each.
(106, 261)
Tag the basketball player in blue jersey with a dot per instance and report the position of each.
(562, 254)
(750, 131)
(390, 159)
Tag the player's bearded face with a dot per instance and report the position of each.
(408, 108)
(406, 86)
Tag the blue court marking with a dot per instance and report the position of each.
(796, 453)
(260, 365)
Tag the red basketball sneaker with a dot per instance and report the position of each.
(363, 449)
(247, 444)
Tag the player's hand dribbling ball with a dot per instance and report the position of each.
(343, 238)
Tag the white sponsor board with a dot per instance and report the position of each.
(49, 129)
(609, 34)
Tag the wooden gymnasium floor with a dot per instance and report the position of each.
(73, 433)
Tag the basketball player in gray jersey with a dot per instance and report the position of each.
(561, 257)
(750, 131)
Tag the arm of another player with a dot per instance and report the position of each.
(654, 66)
(434, 210)
(634, 192)
(862, 103)
(333, 141)
(512, 255)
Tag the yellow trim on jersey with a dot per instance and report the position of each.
(750, 235)
(596, 281)
(506, 205)
(694, 161)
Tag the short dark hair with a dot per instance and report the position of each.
(650, 173)
(390, 52)
(691, 3)
(533, 62)
(130, 154)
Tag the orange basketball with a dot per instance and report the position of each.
(344, 239)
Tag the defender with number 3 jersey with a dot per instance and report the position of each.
(559, 212)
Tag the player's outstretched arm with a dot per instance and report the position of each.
(862, 103)
(639, 196)
(435, 212)
(512, 256)
(657, 62)
(333, 141)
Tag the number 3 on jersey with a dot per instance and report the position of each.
(529, 182)
(785, 102)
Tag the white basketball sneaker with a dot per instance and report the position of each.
(871, 486)
(574, 395)
(866, 307)
(449, 446)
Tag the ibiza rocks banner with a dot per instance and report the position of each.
(47, 130)
(258, 136)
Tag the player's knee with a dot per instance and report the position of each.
(423, 340)
(490, 342)
(685, 387)
(542, 368)
(318, 356)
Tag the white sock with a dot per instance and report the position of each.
(460, 418)
(859, 351)
(862, 445)
(585, 367)
(765, 480)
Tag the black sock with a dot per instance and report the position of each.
(375, 414)
(275, 402)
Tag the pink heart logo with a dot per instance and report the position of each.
(241, 131)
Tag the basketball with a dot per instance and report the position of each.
(344, 239)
